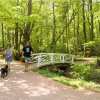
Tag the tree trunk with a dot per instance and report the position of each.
(8, 36)
(84, 21)
(67, 30)
(16, 30)
(13, 39)
(78, 34)
(20, 38)
(27, 29)
(3, 35)
(92, 24)
(16, 36)
(74, 31)
(53, 43)
(99, 26)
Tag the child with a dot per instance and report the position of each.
(8, 56)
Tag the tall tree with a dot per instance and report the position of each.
(91, 21)
(28, 24)
(99, 26)
(84, 20)
(2, 34)
(16, 28)
(53, 42)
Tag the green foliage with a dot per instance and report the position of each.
(68, 23)
(48, 73)
(76, 83)
(89, 44)
(94, 47)
(81, 71)
(95, 76)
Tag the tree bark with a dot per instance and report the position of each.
(74, 31)
(28, 25)
(3, 45)
(84, 21)
(16, 36)
(67, 30)
(16, 29)
(8, 36)
(92, 24)
(99, 26)
(78, 33)
(53, 42)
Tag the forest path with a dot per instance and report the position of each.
(21, 85)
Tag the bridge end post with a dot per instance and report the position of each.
(39, 60)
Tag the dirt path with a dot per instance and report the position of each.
(21, 85)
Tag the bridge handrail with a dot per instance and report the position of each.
(52, 53)
(42, 58)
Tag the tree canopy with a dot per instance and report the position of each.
(50, 25)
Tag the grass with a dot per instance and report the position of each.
(76, 83)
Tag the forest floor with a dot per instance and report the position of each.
(20, 85)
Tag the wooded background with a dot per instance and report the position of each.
(68, 26)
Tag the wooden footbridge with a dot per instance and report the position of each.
(43, 59)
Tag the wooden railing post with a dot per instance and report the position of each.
(62, 58)
(51, 58)
(39, 60)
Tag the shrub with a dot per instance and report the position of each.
(93, 47)
(81, 71)
(95, 75)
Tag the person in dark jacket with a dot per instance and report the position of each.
(27, 52)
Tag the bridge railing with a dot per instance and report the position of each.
(41, 59)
